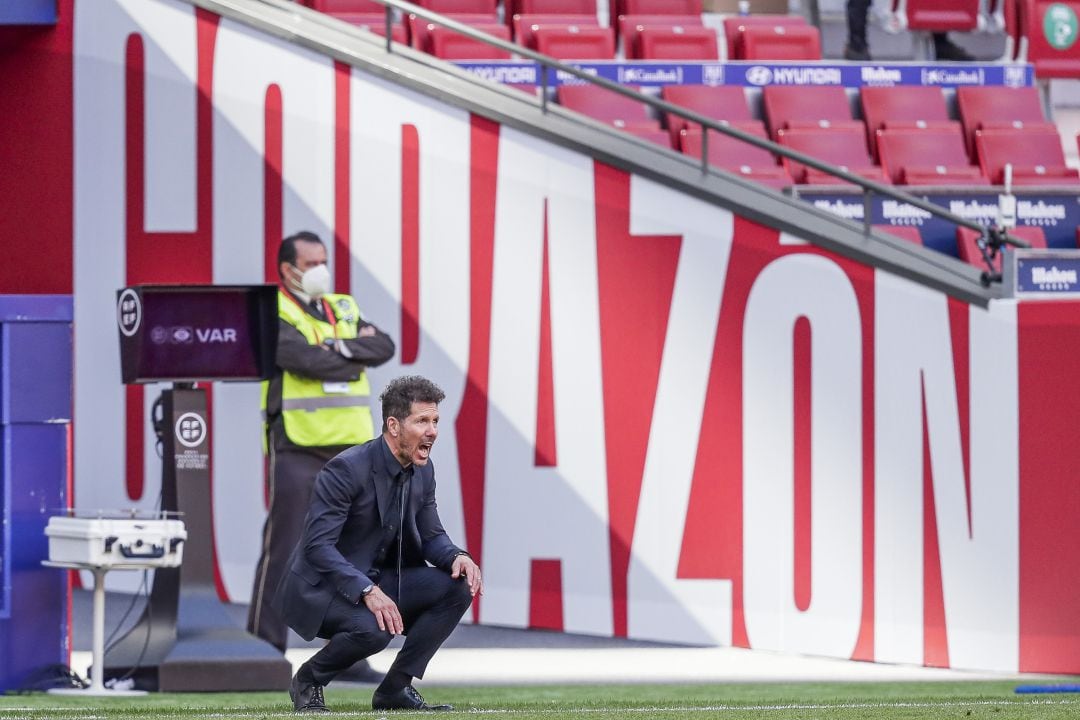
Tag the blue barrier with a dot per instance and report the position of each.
(35, 415)
(1057, 213)
(28, 12)
(751, 74)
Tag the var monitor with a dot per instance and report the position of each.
(182, 333)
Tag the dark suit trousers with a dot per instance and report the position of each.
(432, 604)
(292, 475)
(857, 11)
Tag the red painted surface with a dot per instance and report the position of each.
(545, 450)
(273, 211)
(471, 422)
(636, 276)
(410, 244)
(803, 491)
(546, 595)
(36, 150)
(342, 178)
(1049, 487)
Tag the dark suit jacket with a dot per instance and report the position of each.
(344, 528)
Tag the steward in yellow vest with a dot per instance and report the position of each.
(321, 398)
(316, 405)
(317, 412)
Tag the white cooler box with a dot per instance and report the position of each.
(108, 542)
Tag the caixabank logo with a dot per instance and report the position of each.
(949, 76)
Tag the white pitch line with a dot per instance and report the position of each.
(691, 709)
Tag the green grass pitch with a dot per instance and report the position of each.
(767, 701)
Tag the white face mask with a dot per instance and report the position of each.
(316, 281)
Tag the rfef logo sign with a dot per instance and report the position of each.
(190, 430)
(128, 312)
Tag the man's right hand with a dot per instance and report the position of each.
(385, 611)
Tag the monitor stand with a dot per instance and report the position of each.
(186, 641)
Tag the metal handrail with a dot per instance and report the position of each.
(992, 238)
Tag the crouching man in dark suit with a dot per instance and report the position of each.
(374, 560)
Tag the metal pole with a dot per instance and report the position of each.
(543, 88)
(704, 149)
(868, 209)
(97, 677)
(389, 28)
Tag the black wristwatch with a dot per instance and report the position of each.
(367, 591)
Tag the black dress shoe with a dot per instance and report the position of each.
(307, 696)
(945, 49)
(856, 54)
(405, 699)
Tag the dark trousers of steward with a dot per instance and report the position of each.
(292, 475)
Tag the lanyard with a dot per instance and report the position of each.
(330, 317)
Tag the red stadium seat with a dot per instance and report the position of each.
(370, 16)
(535, 8)
(529, 89)
(737, 156)
(845, 147)
(736, 25)
(630, 27)
(937, 15)
(458, 7)
(676, 42)
(621, 8)
(576, 42)
(375, 23)
(420, 28)
(554, 7)
(967, 244)
(1010, 17)
(721, 103)
(1036, 156)
(525, 26)
(904, 232)
(633, 24)
(791, 106)
(1054, 54)
(333, 7)
(932, 156)
(798, 42)
(607, 106)
(657, 7)
(902, 106)
(998, 107)
(660, 137)
(451, 45)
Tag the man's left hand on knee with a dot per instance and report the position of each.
(464, 566)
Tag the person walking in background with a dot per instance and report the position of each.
(316, 405)
(374, 561)
(857, 48)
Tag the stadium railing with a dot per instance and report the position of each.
(992, 238)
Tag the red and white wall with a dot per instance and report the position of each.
(662, 420)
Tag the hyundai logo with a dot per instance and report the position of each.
(759, 75)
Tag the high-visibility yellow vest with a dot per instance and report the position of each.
(318, 413)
